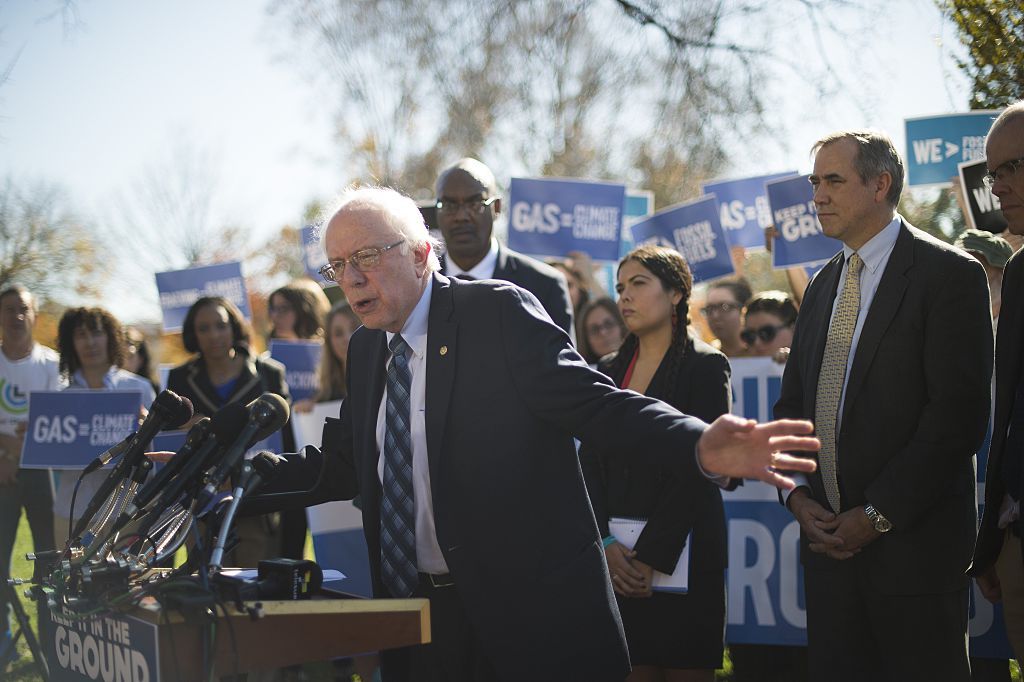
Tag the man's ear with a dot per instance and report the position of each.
(420, 255)
(882, 184)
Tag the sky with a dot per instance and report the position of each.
(95, 107)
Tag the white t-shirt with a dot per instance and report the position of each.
(37, 371)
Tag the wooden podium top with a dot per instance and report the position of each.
(288, 633)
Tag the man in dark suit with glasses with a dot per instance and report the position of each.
(892, 359)
(998, 562)
(468, 202)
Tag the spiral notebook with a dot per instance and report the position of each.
(626, 532)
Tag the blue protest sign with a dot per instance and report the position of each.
(764, 580)
(798, 239)
(936, 144)
(108, 647)
(67, 429)
(313, 256)
(743, 208)
(693, 230)
(553, 217)
(179, 289)
(301, 360)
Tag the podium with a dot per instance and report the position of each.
(288, 633)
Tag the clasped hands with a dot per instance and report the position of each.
(630, 576)
(839, 536)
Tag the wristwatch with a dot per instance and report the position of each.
(881, 524)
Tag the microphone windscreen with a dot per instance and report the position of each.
(271, 412)
(182, 415)
(265, 463)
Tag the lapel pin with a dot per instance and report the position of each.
(444, 350)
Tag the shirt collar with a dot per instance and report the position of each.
(876, 249)
(482, 270)
(78, 379)
(415, 329)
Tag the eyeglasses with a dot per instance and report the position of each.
(602, 327)
(474, 205)
(363, 261)
(766, 333)
(1003, 172)
(718, 309)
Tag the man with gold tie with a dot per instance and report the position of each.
(891, 359)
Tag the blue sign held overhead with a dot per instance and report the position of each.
(937, 144)
(743, 208)
(313, 256)
(553, 217)
(67, 429)
(301, 360)
(179, 289)
(693, 230)
(799, 239)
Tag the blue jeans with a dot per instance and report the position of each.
(34, 492)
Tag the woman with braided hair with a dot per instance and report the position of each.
(671, 635)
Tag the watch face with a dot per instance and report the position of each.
(882, 525)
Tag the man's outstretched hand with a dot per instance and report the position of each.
(742, 448)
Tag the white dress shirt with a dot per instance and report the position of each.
(875, 255)
(428, 552)
(482, 270)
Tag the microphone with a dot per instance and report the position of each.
(267, 414)
(224, 427)
(196, 437)
(105, 458)
(254, 473)
(168, 410)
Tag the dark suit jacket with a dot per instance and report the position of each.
(505, 393)
(916, 410)
(621, 486)
(1009, 339)
(541, 280)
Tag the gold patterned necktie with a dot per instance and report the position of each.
(832, 375)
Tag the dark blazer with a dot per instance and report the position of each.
(620, 486)
(258, 375)
(1009, 338)
(915, 412)
(505, 393)
(541, 280)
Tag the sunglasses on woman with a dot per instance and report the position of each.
(766, 333)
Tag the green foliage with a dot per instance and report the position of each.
(992, 32)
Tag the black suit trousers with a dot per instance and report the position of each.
(856, 634)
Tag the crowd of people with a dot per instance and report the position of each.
(500, 436)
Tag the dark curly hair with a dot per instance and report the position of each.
(310, 305)
(240, 330)
(92, 319)
(669, 266)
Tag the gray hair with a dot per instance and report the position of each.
(475, 168)
(1008, 115)
(876, 154)
(397, 210)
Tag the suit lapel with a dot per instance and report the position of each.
(819, 325)
(375, 393)
(1008, 336)
(441, 349)
(503, 268)
(886, 302)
